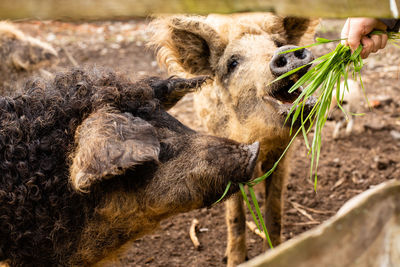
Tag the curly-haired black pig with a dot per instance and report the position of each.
(91, 160)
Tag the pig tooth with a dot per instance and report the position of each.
(279, 102)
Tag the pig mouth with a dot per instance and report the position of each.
(281, 93)
(282, 101)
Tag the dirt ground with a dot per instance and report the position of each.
(348, 166)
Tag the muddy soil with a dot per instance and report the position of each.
(348, 165)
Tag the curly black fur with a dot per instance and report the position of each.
(38, 207)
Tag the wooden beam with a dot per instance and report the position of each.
(338, 8)
(364, 232)
(109, 9)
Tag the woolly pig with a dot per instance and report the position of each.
(242, 54)
(90, 161)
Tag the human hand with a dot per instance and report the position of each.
(356, 31)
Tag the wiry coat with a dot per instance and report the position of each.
(241, 103)
(90, 161)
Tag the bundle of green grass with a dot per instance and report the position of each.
(326, 74)
(329, 74)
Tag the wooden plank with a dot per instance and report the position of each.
(108, 9)
(364, 232)
(337, 8)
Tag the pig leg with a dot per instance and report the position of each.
(236, 221)
(336, 130)
(350, 124)
(273, 205)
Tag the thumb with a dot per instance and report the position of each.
(345, 32)
(354, 36)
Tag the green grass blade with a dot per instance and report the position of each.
(224, 194)
(260, 217)
(246, 200)
(289, 73)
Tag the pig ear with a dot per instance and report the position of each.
(107, 144)
(186, 45)
(171, 90)
(299, 31)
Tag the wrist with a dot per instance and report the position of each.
(392, 25)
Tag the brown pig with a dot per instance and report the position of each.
(242, 54)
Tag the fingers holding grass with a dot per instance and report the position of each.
(368, 46)
(357, 31)
(384, 40)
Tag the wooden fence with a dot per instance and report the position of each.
(364, 233)
(108, 9)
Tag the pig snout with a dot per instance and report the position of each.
(253, 151)
(282, 63)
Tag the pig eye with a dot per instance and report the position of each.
(232, 64)
(278, 43)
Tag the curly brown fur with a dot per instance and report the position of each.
(90, 161)
(236, 51)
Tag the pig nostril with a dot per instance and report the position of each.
(285, 59)
(300, 54)
(281, 62)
